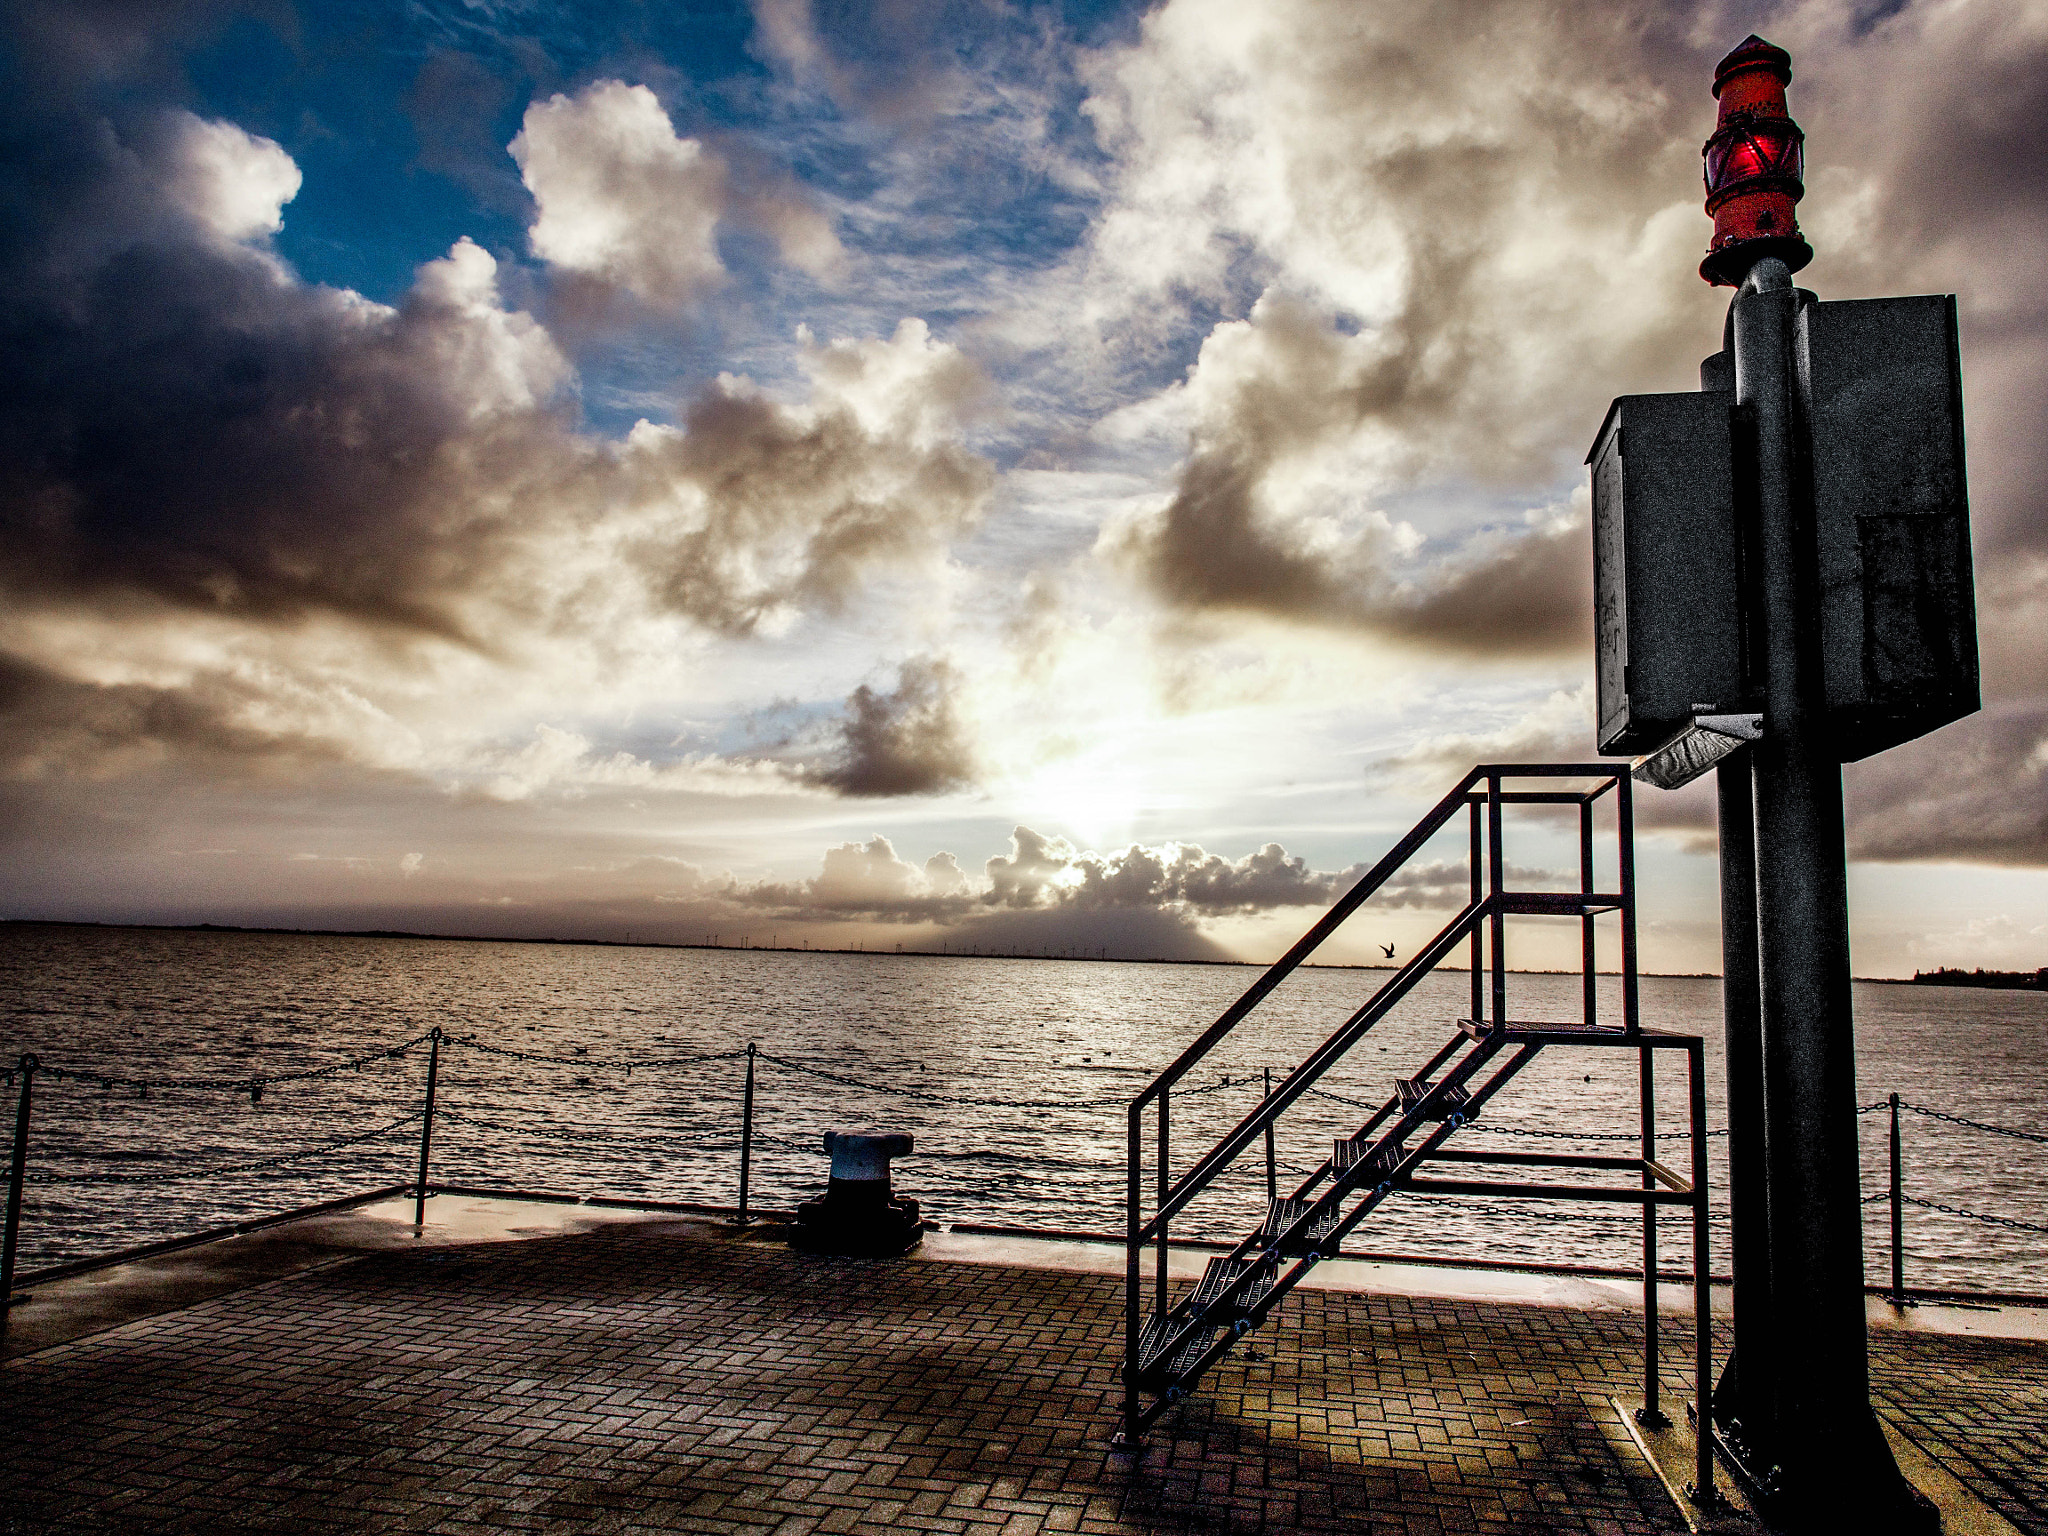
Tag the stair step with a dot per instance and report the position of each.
(1437, 1101)
(1282, 1214)
(1378, 1158)
(1157, 1331)
(1222, 1272)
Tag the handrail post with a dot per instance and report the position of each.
(1898, 1212)
(1478, 943)
(419, 1198)
(1625, 838)
(1134, 1192)
(29, 1062)
(1651, 1414)
(746, 1134)
(1703, 1494)
(1165, 1182)
(1496, 879)
(1589, 953)
(1273, 1167)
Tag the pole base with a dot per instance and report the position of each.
(1673, 1452)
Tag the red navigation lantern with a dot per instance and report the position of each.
(1755, 162)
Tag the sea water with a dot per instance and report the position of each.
(1011, 1074)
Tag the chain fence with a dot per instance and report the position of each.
(29, 1072)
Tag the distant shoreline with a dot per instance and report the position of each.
(765, 949)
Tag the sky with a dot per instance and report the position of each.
(1022, 475)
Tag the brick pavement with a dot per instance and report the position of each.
(665, 1377)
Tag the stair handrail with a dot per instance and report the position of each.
(1191, 1184)
(1308, 943)
(1304, 1077)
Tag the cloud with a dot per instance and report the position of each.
(231, 182)
(1466, 249)
(1283, 405)
(620, 197)
(626, 203)
(907, 742)
(756, 508)
(1975, 791)
(279, 498)
(1042, 871)
(869, 880)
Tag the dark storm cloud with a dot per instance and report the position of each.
(909, 741)
(191, 430)
(55, 728)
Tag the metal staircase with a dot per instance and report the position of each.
(1167, 1349)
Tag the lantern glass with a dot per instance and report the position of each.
(1754, 153)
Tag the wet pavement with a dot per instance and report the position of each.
(524, 1366)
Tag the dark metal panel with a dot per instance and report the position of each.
(1667, 608)
(1883, 381)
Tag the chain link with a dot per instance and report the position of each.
(253, 1085)
(925, 1096)
(580, 1059)
(1996, 1221)
(1975, 1125)
(174, 1176)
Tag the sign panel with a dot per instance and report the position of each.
(1666, 599)
(1881, 382)
(1883, 386)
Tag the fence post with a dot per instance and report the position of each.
(1898, 1213)
(1272, 1168)
(29, 1063)
(419, 1199)
(747, 1134)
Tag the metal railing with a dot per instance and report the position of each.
(22, 1077)
(1181, 1341)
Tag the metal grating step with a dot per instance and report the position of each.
(1376, 1158)
(1157, 1331)
(1217, 1278)
(1433, 1101)
(1282, 1214)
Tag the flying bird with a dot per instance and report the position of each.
(1388, 950)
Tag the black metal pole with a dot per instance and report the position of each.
(15, 1172)
(1273, 1166)
(1703, 1493)
(1478, 929)
(1898, 1212)
(1165, 1183)
(1496, 880)
(1652, 1412)
(1134, 1194)
(746, 1134)
(419, 1195)
(1742, 1402)
(1589, 999)
(1839, 1472)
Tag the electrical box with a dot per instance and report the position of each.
(1667, 602)
(1884, 388)
(1881, 386)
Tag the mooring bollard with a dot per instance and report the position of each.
(858, 1213)
(746, 1134)
(29, 1062)
(419, 1198)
